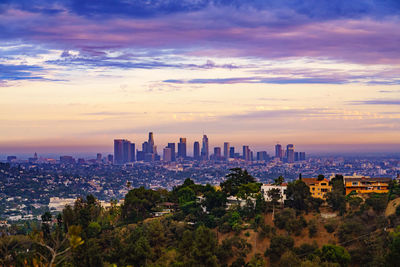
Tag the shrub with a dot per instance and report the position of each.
(312, 228)
(330, 227)
(278, 246)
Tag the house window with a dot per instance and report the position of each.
(324, 190)
(354, 183)
(323, 183)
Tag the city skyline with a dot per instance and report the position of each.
(322, 75)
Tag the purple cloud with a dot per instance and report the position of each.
(236, 30)
(377, 102)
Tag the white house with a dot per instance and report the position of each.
(266, 187)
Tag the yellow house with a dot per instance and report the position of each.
(365, 185)
(318, 189)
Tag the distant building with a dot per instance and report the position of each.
(217, 153)
(140, 155)
(226, 150)
(132, 156)
(67, 160)
(167, 154)
(81, 161)
(196, 150)
(98, 157)
(318, 189)
(204, 148)
(232, 152)
(246, 153)
(296, 156)
(110, 158)
(366, 185)
(119, 151)
(267, 187)
(173, 152)
(278, 151)
(34, 159)
(290, 153)
(11, 159)
(182, 148)
(262, 156)
(302, 155)
(126, 151)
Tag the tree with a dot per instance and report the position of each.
(336, 198)
(235, 179)
(312, 228)
(278, 246)
(289, 259)
(297, 194)
(334, 253)
(274, 194)
(138, 204)
(320, 177)
(57, 245)
(279, 180)
(257, 261)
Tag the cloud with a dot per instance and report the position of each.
(279, 80)
(356, 31)
(376, 102)
(19, 72)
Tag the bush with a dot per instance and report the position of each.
(330, 227)
(312, 228)
(305, 250)
(336, 254)
(266, 230)
(378, 202)
(278, 246)
(286, 219)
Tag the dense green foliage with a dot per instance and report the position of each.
(203, 231)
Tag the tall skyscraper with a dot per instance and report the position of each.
(132, 156)
(232, 152)
(204, 148)
(167, 155)
(126, 151)
(278, 151)
(196, 150)
(226, 150)
(182, 148)
(145, 147)
(150, 143)
(302, 156)
(246, 153)
(119, 151)
(173, 153)
(290, 153)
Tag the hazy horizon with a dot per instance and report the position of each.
(248, 72)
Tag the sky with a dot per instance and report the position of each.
(322, 74)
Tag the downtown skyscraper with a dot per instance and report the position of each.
(204, 148)
(182, 148)
(226, 150)
(196, 150)
(124, 151)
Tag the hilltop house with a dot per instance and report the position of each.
(266, 187)
(318, 188)
(366, 185)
